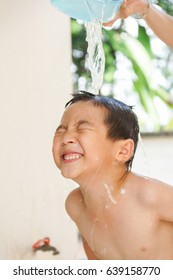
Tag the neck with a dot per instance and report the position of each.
(102, 191)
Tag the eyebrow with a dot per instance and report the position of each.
(81, 122)
(61, 126)
(84, 122)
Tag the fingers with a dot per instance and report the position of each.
(110, 23)
(123, 13)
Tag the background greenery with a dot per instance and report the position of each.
(138, 69)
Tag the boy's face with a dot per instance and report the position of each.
(80, 145)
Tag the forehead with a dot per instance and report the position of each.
(83, 110)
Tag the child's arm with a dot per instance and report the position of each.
(90, 254)
(163, 202)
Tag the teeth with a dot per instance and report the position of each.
(71, 157)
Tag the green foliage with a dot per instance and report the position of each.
(166, 5)
(138, 51)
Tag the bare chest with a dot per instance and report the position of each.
(118, 233)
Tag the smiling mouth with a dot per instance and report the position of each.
(71, 157)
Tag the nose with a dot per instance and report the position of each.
(68, 138)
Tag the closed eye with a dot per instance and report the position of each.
(83, 124)
(60, 129)
(80, 126)
(82, 129)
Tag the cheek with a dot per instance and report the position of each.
(101, 152)
(95, 154)
(55, 150)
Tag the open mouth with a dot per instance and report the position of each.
(71, 157)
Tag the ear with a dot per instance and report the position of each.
(124, 150)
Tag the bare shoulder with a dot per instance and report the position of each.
(152, 191)
(74, 203)
(160, 196)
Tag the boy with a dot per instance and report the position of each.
(119, 214)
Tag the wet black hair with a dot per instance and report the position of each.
(120, 120)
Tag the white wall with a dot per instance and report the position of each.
(154, 158)
(35, 83)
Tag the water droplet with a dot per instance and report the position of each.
(109, 194)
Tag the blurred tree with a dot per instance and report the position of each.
(147, 75)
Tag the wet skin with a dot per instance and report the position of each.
(120, 215)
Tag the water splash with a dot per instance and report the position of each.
(104, 251)
(122, 191)
(92, 233)
(109, 194)
(144, 154)
(95, 54)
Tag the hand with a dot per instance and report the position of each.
(128, 8)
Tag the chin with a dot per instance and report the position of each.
(75, 173)
(69, 175)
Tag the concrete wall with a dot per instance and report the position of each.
(35, 83)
